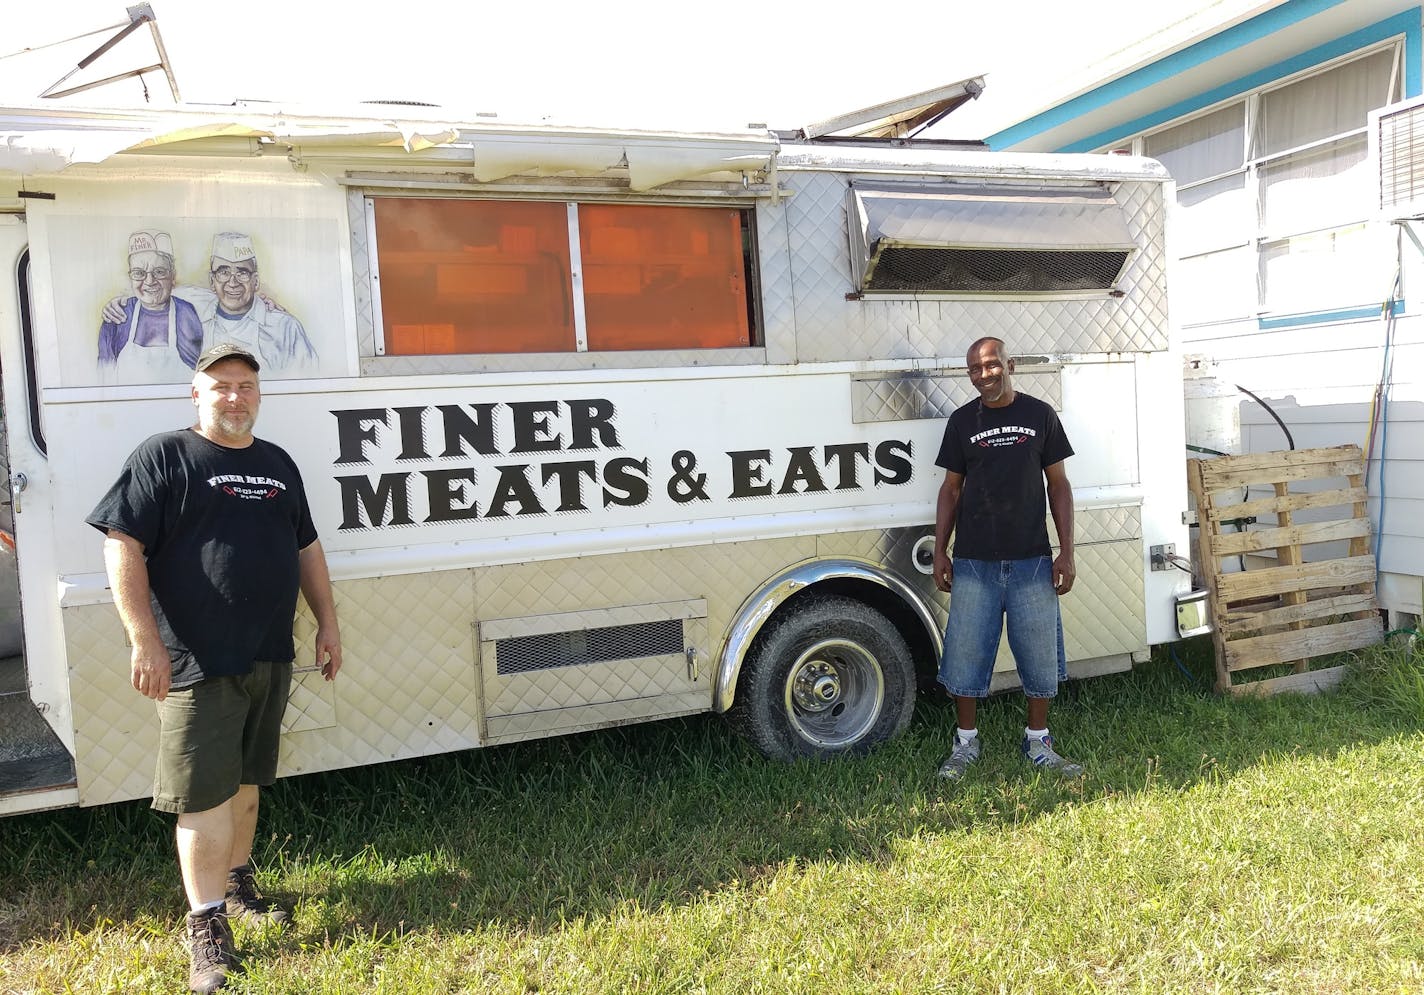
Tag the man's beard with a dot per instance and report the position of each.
(234, 424)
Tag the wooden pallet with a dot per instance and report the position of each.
(1292, 611)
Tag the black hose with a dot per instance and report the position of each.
(1290, 439)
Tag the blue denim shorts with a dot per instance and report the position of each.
(984, 592)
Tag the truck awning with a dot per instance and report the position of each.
(897, 118)
(49, 142)
(44, 140)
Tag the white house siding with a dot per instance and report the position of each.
(1271, 160)
(1320, 380)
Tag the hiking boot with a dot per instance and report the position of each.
(1040, 753)
(245, 901)
(211, 951)
(959, 759)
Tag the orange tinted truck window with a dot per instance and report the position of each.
(474, 276)
(663, 277)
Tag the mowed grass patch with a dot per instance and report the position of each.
(1216, 845)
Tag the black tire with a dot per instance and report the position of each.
(828, 676)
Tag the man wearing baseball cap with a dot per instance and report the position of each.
(208, 539)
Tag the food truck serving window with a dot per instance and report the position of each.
(487, 276)
(969, 239)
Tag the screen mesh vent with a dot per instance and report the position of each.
(994, 270)
(578, 647)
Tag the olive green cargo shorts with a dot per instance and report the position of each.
(217, 735)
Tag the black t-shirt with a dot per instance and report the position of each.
(1002, 453)
(221, 529)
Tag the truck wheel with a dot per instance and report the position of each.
(828, 676)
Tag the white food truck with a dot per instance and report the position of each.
(598, 426)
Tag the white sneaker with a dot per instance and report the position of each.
(959, 760)
(1040, 753)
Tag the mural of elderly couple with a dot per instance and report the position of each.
(154, 332)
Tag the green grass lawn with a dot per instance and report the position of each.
(1215, 845)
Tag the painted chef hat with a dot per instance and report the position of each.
(150, 240)
(233, 247)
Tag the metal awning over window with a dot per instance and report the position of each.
(919, 238)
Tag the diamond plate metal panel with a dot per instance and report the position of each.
(1106, 612)
(408, 686)
(311, 704)
(509, 628)
(115, 727)
(778, 306)
(723, 574)
(894, 549)
(1105, 524)
(361, 273)
(720, 575)
(592, 683)
(1110, 616)
(896, 397)
(572, 688)
(891, 548)
(511, 728)
(830, 328)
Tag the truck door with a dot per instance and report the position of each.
(36, 770)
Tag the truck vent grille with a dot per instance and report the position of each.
(522, 654)
(997, 271)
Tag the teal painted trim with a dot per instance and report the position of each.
(1259, 27)
(1323, 317)
(1406, 24)
(1214, 46)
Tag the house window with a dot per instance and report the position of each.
(488, 276)
(1274, 193)
(1214, 228)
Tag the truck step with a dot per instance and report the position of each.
(31, 755)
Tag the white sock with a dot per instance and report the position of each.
(210, 907)
(1035, 733)
(965, 735)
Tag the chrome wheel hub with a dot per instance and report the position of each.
(835, 691)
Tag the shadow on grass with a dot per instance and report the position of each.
(529, 835)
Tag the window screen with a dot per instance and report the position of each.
(1274, 191)
(1206, 146)
(487, 276)
(1324, 105)
(459, 276)
(663, 277)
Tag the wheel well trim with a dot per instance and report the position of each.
(758, 609)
